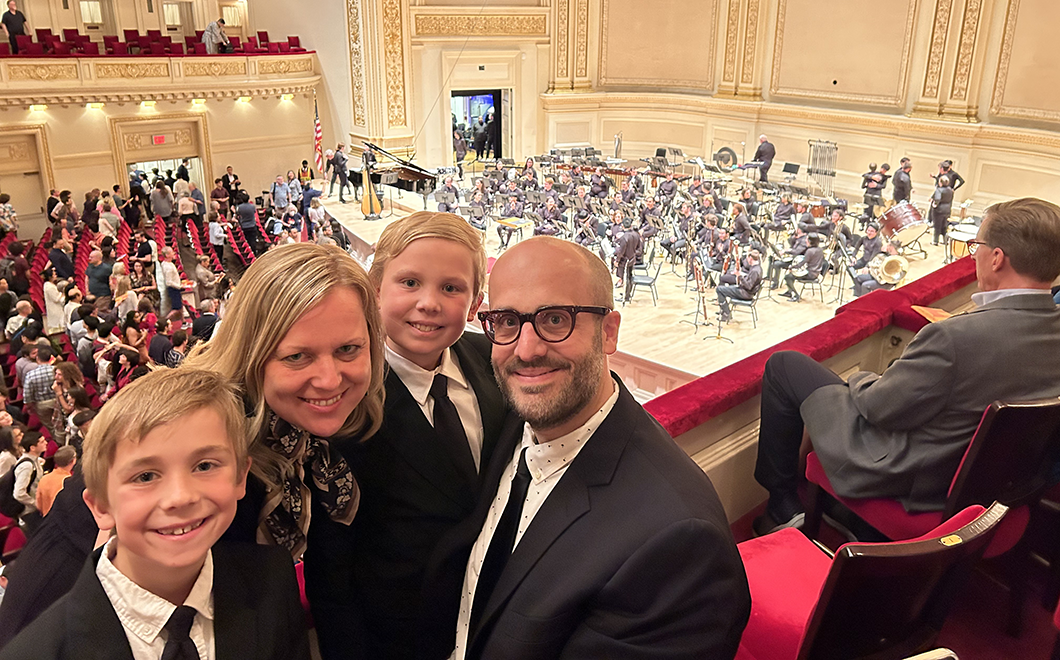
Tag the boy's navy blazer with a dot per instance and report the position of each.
(257, 613)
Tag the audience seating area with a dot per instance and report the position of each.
(154, 44)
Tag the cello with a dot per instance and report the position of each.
(370, 205)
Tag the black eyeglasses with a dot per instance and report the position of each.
(552, 324)
(973, 245)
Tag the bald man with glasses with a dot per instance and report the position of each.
(599, 536)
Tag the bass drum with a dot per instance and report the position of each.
(903, 223)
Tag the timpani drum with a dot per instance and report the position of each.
(817, 210)
(959, 241)
(903, 223)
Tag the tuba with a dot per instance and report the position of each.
(888, 269)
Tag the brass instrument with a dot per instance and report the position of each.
(888, 269)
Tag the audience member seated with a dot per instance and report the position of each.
(902, 434)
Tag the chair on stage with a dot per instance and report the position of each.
(878, 600)
(816, 284)
(749, 305)
(642, 277)
(1010, 459)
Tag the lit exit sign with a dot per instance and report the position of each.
(158, 139)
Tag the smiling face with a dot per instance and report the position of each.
(425, 297)
(322, 367)
(554, 386)
(170, 496)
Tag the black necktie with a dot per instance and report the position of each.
(451, 430)
(179, 645)
(501, 545)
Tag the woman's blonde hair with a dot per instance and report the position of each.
(280, 287)
(124, 286)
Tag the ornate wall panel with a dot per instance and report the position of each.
(562, 38)
(732, 32)
(447, 25)
(939, 28)
(1027, 85)
(214, 69)
(750, 41)
(353, 26)
(581, 40)
(130, 70)
(394, 61)
(670, 44)
(844, 66)
(46, 72)
(966, 49)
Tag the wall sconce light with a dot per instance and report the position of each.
(147, 104)
(243, 99)
(198, 101)
(287, 97)
(38, 107)
(94, 106)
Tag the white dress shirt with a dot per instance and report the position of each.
(143, 615)
(981, 298)
(547, 463)
(418, 381)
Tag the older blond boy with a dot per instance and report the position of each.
(419, 475)
(164, 464)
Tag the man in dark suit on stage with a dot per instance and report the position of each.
(621, 546)
(765, 153)
(902, 434)
(903, 184)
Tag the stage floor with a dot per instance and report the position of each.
(662, 333)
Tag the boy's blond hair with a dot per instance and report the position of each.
(430, 224)
(161, 397)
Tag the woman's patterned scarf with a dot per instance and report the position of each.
(286, 511)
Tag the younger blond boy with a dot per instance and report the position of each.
(419, 475)
(164, 463)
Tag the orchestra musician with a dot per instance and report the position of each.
(528, 180)
(627, 246)
(628, 194)
(806, 220)
(745, 287)
(720, 252)
(697, 190)
(529, 171)
(873, 183)
(808, 271)
(667, 190)
(566, 184)
(513, 209)
(946, 169)
(781, 216)
(797, 246)
(869, 245)
(903, 183)
(551, 219)
(482, 187)
(674, 244)
(741, 226)
(549, 191)
(599, 184)
(765, 153)
(478, 201)
(449, 189)
(616, 202)
(513, 189)
(941, 206)
(636, 181)
(864, 282)
(750, 204)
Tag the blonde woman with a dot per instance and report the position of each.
(303, 339)
(125, 299)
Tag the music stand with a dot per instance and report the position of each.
(474, 213)
(449, 199)
(536, 198)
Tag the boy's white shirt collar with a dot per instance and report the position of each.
(418, 380)
(139, 610)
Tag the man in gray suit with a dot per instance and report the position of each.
(902, 435)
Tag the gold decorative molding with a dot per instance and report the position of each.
(18, 151)
(893, 100)
(130, 70)
(706, 85)
(939, 29)
(750, 41)
(40, 136)
(732, 30)
(562, 37)
(434, 25)
(966, 49)
(353, 30)
(581, 44)
(134, 141)
(216, 69)
(394, 62)
(42, 72)
(182, 136)
(299, 65)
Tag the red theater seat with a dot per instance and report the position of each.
(880, 600)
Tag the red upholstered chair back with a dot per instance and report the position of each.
(1010, 457)
(5, 48)
(69, 34)
(892, 598)
(263, 36)
(120, 48)
(155, 35)
(295, 42)
(44, 33)
(131, 35)
(199, 48)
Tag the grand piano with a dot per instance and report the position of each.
(401, 173)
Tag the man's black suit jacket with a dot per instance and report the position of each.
(257, 613)
(629, 557)
(412, 494)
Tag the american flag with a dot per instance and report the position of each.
(318, 137)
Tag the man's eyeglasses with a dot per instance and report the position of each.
(973, 245)
(552, 324)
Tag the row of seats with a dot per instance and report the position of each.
(152, 44)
